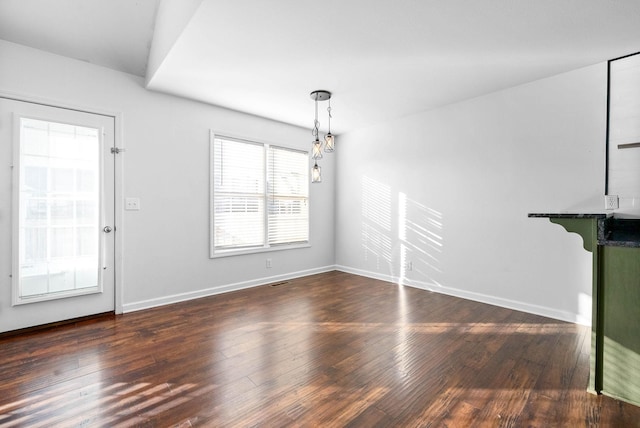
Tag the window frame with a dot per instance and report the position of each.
(215, 252)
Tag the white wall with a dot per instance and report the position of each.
(165, 253)
(449, 190)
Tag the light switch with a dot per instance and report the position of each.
(132, 204)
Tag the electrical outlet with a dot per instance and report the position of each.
(611, 202)
(268, 263)
(408, 266)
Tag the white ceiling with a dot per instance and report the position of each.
(382, 59)
(113, 33)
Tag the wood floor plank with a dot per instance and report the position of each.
(328, 350)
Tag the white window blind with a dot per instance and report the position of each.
(288, 196)
(260, 196)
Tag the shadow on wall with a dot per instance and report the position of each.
(401, 237)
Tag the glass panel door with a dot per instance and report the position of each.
(59, 210)
(57, 214)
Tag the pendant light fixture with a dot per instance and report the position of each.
(329, 140)
(316, 173)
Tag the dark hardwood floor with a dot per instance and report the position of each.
(326, 350)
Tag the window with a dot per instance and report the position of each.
(260, 197)
(58, 193)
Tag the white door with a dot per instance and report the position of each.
(56, 214)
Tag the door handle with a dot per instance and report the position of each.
(107, 229)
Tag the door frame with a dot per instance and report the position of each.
(118, 181)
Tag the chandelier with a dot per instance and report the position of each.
(328, 143)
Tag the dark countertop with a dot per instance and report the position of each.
(612, 232)
(617, 232)
(569, 215)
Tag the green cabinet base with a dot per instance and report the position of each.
(587, 228)
(615, 331)
(621, 323)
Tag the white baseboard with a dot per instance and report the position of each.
(470, 295)
(181, 297)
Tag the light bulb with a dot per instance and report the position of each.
(317, 149)
(316, 174)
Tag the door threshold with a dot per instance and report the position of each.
(52, 325)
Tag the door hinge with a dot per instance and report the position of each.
(116, 150)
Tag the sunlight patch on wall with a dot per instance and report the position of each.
(401, 236)
(421, 240)
(584, 309)
(376, 222)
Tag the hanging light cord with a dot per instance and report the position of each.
(329, 111)
(316, 124)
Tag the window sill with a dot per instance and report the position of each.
(230, 253)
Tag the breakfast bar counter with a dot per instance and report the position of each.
(615, 331)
